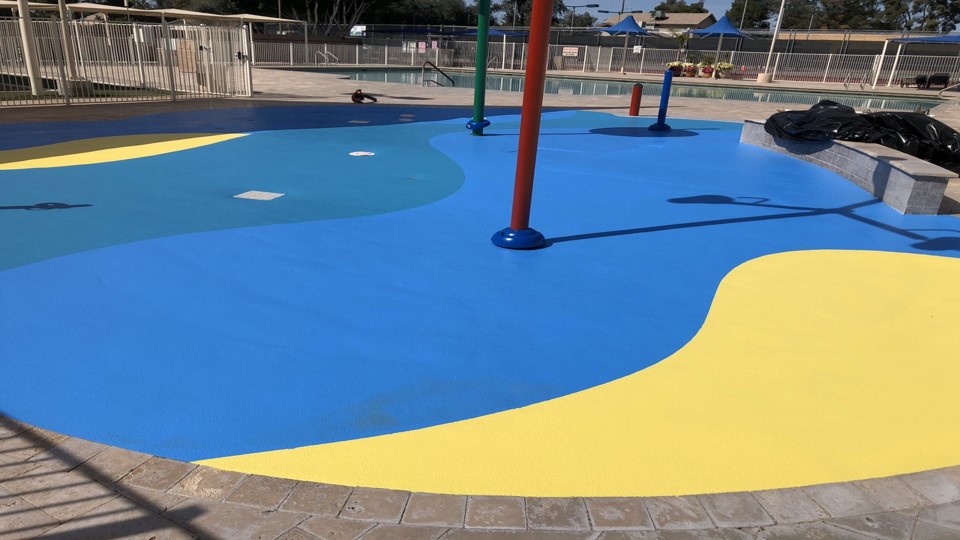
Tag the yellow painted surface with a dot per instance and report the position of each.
(811, 367)
(106, 149)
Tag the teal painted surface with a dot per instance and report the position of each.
(192, 191)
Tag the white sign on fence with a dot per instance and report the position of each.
(637, 49)
(571, 51)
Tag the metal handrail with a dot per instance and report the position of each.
(863, 80)
(423, 69)
(940, 93)
(326, 58)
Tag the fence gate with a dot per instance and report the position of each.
(97, 61)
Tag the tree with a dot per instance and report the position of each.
(757, 15)
(582, 20)
(423, 12)
(801, 14)
(520, 11)
(680, 6)
(926, 15)
(683, 38)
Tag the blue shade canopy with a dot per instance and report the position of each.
(722, 28)
(952, 38)
(627, 26)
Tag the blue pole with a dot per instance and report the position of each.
(661, 124)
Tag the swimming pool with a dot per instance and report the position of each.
(582, 87)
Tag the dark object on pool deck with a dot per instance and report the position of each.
(915, 134)
(920, 81)
(359, 96)
(924, 81)
(938, 79)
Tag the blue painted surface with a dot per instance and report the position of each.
(282, 326)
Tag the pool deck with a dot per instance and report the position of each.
(52, 486)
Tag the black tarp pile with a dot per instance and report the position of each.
(911, 133)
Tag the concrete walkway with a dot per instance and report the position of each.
(53, 486)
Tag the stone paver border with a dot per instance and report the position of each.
(55, 486)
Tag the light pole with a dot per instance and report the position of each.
(743, 14)
(766, 77)
(573, 13)
(621, 12)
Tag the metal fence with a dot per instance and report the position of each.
(850, 69)
(86, 61)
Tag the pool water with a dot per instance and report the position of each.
(581, 87)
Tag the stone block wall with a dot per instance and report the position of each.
(908, 184)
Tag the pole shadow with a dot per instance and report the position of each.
(45, 206)
(947, 243)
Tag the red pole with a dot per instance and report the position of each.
(519, 235)
(530, 113)
(635, 99)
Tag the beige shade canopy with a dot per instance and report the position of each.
(87, 7)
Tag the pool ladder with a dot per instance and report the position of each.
(863, 80)
(424, 80)
(326, 58)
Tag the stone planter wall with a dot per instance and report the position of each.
(907, 184)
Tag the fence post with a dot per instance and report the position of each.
(65, 84)
(168, 52)
(81, 56)
(643, 54)
(291, 53)
(136, 47)
(247, 36)
(827, 71)
(893, 68)
(29, 53)
(70, 59)
(596, 68)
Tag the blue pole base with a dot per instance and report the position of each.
(521, 239)
(659, 127)
(477, 126)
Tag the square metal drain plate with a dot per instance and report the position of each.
(258, 195)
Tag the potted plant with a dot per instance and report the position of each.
(689, 69)
(706, 70)
(675, 67)
(722, 69)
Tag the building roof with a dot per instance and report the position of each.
(669, 20)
